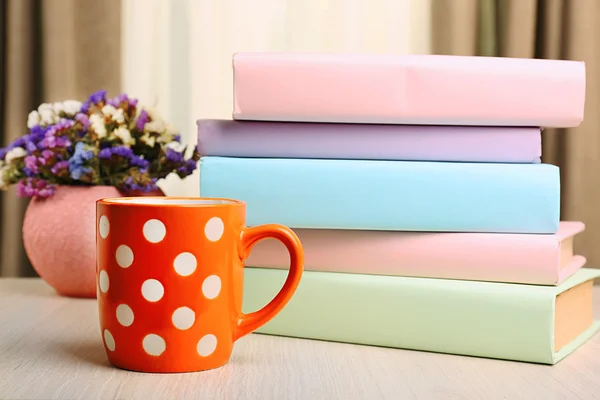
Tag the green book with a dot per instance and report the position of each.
(539, 324)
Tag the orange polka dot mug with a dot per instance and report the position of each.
(170, 275)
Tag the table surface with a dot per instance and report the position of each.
(50, 348)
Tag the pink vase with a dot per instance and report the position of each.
(59, 235)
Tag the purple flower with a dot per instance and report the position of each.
(59, 167)
(122, 151)
(30, 146)
(3, 152)
(37, 133)
(31, 164)
(46, 154)
(173, 156)
(177, 137)
(116, 101)
(105, 153)
(141, 121)
(20, 142)
(97, 97)
(64, 124)
(188, 167)
(136, 161)
(31, 187)
(83, 120)
(85, 107)
(28, 172)
(51, 142)
(132, 186)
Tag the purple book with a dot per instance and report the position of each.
(255, 139)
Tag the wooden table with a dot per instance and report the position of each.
(50, 348)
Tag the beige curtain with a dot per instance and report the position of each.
(552, 29)
(50, 50)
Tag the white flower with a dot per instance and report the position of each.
(48, 116)
(154, 114)
(171, 130)
(155, 126)
(124, 134)
(118, 116)
(148, 139)
(45, 106)
(33, 119)
(17, 152)
(58, 108)
(178, 147)
(98, 125)
(71, 107)
(108, 110)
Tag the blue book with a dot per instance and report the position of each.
(389, 195)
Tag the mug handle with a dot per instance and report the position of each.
(249, 237)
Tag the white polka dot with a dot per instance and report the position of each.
(185, 264)
(213, 230)
(183, 318)
(207, 345)
(104, 282)
(211, 287)
(104, 227)
(109, 340)
(124, 256)
(124, 314)
(152, 290)
(154, 345)
(154, 231)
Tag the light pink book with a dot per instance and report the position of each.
(543, 259)
(408, 89)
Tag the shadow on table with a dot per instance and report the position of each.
(89, 352)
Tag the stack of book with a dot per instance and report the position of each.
(416, 187)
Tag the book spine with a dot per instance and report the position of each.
(369, 142)
(493, 320)
(407, 89)
(526, 258)
(389, 195)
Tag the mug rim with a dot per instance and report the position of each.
(170, 201)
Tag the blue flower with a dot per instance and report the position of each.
(80, 156)
(77, 171)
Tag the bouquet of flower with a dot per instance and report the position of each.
(101, 141)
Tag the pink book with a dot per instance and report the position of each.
(544, 259)
(408, 89)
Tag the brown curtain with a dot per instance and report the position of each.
(50, 50)
(550, 29)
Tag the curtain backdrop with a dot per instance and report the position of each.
(51, 50)
(185, 69)
(551, 29)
